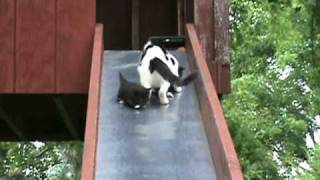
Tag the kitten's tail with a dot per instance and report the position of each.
(191, 77)
(121, 77)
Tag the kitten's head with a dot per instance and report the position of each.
(133, 94)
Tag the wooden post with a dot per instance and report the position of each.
(135, 24)
(222, 44)
(211, 21)
(189, 11)
(180, 15)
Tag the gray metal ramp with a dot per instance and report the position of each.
(156, 143)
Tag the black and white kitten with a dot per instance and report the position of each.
(133, 94)
(159, 69)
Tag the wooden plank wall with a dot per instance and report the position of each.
(35, 46)
(45, 46)
(7, 45)
(75, 29)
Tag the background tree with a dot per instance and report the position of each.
(276, 93)
(40, 160)
(314, 172)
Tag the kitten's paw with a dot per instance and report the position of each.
(164, 101)
(137, 106)
(120, 101)
(170, 95)
(178, 89)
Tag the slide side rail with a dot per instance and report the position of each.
(222, 149)
(91, 131)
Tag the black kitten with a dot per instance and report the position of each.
(133, 94)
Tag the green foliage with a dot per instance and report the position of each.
(275, 98)
(314, 172)
(35, 160)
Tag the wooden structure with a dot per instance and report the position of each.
(50, 60)
(43, 42)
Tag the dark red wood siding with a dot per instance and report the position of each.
(35, 46)
(45, 46)
(75, 27)
(7, 29)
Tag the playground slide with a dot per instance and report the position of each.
(158, 142)
(187, 139)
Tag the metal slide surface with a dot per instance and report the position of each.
(156, 143)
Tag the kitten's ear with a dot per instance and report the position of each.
(180, 70)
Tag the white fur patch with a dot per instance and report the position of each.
(155, 80)
(170, 95)
(177, 89)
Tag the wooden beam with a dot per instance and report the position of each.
(12, 125)
(66, 118)
(135, 36)
(91, 132)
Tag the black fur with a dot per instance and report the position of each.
(180, 71)
(157, 65)
(191, 77)
(172, 61)
(132, 94)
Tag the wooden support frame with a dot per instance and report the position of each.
(10, 122)
(66, 117)
(91, 131)
(222, 150)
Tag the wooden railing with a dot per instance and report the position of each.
(91, 131)
(222, 150)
